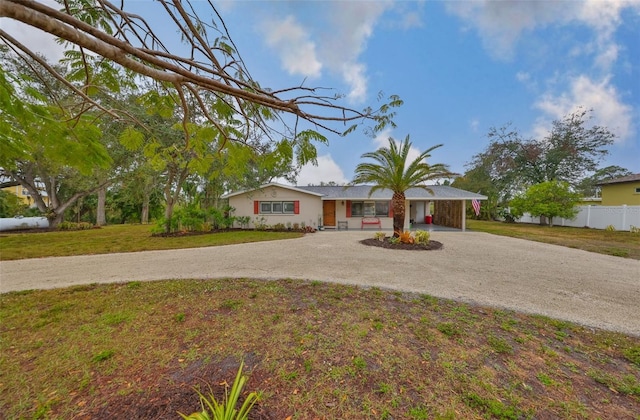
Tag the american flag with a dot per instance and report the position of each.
(476, 206)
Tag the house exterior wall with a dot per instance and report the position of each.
(23, 195)
(310, 206)
(355, 222)
(622, 193)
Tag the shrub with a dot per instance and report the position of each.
(260, 223)
(279, 226)
(243, 221)
(421, 237)
(226, 410)
(74, 226)
(610, 228)
(405, 237)
(634, 229)
(379, 236)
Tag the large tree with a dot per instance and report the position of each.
(391, 170)
(547, 200)
(108, 38)
(512, 163)
(46, 146)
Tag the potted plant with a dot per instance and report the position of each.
(320, 226)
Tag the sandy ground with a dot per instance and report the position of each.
(592, 289)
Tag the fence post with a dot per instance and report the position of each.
(589, 216)
(624, 217)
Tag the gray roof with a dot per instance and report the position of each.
(361, 192)
(628, 178)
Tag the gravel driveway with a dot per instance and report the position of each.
(592, 289)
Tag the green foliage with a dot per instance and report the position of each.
(379, 236)
(549, 199)
(226, 409)
(511, 163)
(103, 355)
(74, 226)
(11, 205)
(497, 409)
(610, 228)
(632, 354)
(421, 236)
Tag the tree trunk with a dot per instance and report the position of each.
(144, 217)
(101, 218)
(398, 203)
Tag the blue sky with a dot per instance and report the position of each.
(461, 67)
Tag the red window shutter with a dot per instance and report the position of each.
(256, 207)
(296, 207)
(348, 208)
(390, 208)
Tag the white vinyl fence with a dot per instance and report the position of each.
(597, 217)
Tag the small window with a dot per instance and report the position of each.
(265, 207)
(357, 209)
(369, 209)
(288, 207)
(382, 208)
(276, 207)
(637, 190)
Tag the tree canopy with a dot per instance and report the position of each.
(113, 47)
(547, 199)
(511, 163)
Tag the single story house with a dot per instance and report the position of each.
(621, 191)
(349, 207)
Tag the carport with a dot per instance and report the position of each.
(446, 206)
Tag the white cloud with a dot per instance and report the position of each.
(351, 24)
(292, 41)
(326, 171)
(474, 123)
(355, 76)
(502, 23)
(608, 109)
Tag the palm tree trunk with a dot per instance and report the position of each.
(398, 203)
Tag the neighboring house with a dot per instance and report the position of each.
(621, 191)
(335, 207)
(24, 195)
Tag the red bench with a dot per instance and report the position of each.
(370, 221)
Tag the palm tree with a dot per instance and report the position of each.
(390, 171)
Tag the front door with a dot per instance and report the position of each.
(329, 213)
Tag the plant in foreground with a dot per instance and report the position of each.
(226, 410)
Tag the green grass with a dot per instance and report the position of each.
(118, 238)
(138, 350)
(617, 243)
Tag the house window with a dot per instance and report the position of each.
(637, 190)
(277, 207)
(288, 207)
(369, 208)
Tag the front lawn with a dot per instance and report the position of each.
(118, 238)
(312, 350)
(619, 243)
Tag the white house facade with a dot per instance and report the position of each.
(351, 207)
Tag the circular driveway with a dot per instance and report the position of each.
(591, 289)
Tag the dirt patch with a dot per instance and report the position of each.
(431, 246)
